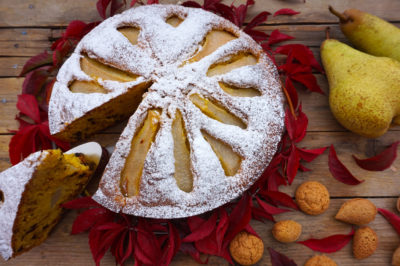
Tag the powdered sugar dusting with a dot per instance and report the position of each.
(160, 58)
(12, 184)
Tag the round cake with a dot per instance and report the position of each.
(204, 101)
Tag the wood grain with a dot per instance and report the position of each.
(54, 13)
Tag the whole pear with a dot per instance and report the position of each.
(369, 33)
(364, 90)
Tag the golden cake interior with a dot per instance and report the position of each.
(59, 178)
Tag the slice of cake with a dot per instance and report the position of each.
(32, 191)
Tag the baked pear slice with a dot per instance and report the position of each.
(131, 33)
(216, 111)
(140, 145)
(212, 42)
(239, 92)
(230, 161)
(235, 61)
(183, 173)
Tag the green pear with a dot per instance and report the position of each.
(369, 33)
(364, 90)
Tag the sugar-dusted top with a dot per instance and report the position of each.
(159, 57)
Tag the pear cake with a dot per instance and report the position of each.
(32, 191)
(205, 109)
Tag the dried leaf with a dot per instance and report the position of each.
(89, 218)
(190, 4)
(81, 203)
(42, 59)
(310, 155)
(102, 7)
(269, 208)
(28, 105)
(203, 230)
(309, 81)
(278, 259)
(301, 53)
(392, 218)
(339, 171)
(328, 244)
(276, 37)
(380, 161)
(239, 217)
(286, 11)
(280, 198)
(257, 20)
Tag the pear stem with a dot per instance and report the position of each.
(327, 33)
(289, 101)
(343, 18)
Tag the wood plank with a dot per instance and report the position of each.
(61, 247)
(19, 13)
(12, 66)
(383, 184)
(9, 89)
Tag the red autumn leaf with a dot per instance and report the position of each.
(280, 198)
(102, 7)
(269, 208)
(81, 203)
(115, 6)
(258, 36)
(28, 105)
(257, 20)
(89, 218)
(309, 81)
(392, 218)
(276, 180)
(293, 164)
(189, 249)
(301, 53)
(296, 126)
(148, 247)
(222, 227)
(310, 155)
(34, 82)
(259, 214)
(174, 242)
(22, 144)
(203, 230)
(251, 231)
(37, 61)
(94, 242)
(190, 4)
(75, 29)
(339, 171)
(276, 37)
(278, 259)
(226, 12)
(152, 2)
(286, 11)
(239, 217)
(210, 5)
(380, 161)
(328, 244)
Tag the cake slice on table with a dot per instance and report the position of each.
(32, 191)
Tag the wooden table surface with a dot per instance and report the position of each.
(27, 27)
